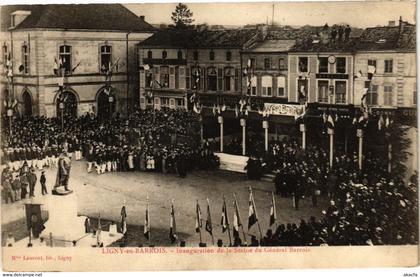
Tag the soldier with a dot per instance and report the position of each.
(32, 181)
(43, 180)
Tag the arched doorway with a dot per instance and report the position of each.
(70, 104)
(106, 103)
(27, 103)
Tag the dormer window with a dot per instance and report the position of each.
(164, 54)
(17, 17)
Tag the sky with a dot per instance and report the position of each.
(359, 14)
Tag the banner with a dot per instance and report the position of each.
(284, 109)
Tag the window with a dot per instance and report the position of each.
(25, 59)
(177, 77)
(229, 77)
(164, 76)
(281, 85)
(236, 79)
(266, 85)
(212, 79)
(219, 79)
(196, 75)
(372, 63)
(252, 62)
(323, 91)
(187, 78)
(388, 66)
(179, 55)
(164, 54)
(282, 64)
(303, 89)
(180, 102)
(148, 79)
(303, 64)
(254, 86)
(267, 63)
(65, 57)
(415, 94)
(323, 65)
(150, 54)
(228, 56)
(340, 65)
(340, 92)
(5, 55)
(372, 95)
(164, 102)
(211, 55)
(195, 55)
(388, 95)
(105, 54)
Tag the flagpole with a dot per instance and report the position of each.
(148, 221)
(227, 220)
(198, 220)
(212, 236)
(274, 210)
(255, 210)
(239, 217)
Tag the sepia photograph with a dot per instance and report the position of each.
(182, 136)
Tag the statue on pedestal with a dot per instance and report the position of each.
(63, 173)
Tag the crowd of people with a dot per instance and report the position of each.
(365, 207)
(161, 140)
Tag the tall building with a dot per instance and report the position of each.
(89, 50)
(389, 53)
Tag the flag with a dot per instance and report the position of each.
(74, 68)
(172, 227)
(242, 104)
(209, 226)
(324, 118)
(225, 220)
(236, 111)
(387, 122)
(198, 220)
(123, 220)
(98, 231)
(273, 213)
(61, 81)
(371, 71)
(359, 74)
(146, 231)
(249, 63)
(192, 98)
(330, 122)
(252, 214)
(146, 66)
(381, 123)
(197, 109)
(236, 220)
(218, 109)
(223, 108)
(214, 110)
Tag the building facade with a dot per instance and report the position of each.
(48, 47)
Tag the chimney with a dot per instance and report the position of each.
(402, 23)
(391, 23)
(142, 17)
(263, 30)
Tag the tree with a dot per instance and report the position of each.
(182, 16)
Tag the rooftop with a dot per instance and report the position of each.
(196, 38)
(110, 17)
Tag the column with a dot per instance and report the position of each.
(220, 120)
(302, 128)
(331, 134)
(265, 127)
(243, 124)
(360, 157)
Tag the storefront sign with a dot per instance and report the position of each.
(332, 76)
(284, 109)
